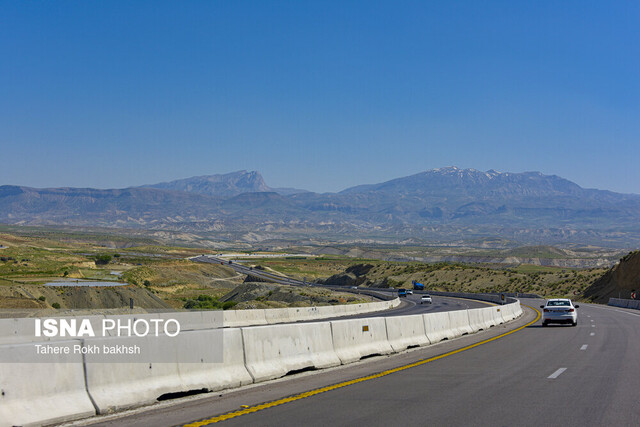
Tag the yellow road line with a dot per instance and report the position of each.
(310, 393)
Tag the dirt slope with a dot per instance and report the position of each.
(618, 282)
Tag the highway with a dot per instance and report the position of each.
(519, 374)
(410, 304)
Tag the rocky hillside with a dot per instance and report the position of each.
(618, 282)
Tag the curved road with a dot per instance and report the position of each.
(410, 304)
(560, 375)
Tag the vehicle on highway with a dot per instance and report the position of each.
(409, 292)
(425, 299)
(402, 292)
(417, 286)
(559, 310)
(354, 287)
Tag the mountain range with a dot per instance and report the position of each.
(437, 205)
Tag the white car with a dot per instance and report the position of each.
(559, 310)
(409, 292)
(425, 299)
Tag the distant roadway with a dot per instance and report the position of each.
(410, 304)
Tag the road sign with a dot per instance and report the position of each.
(633, 295)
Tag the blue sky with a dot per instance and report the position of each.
(317, 95)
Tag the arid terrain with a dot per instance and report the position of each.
(156, 273)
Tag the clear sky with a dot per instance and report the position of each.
(319, 95)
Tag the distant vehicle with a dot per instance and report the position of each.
(418, 286)
(402, 292)
(230, 262)
(409, 292)
(354, 287)
(559, 310)
(425, 299)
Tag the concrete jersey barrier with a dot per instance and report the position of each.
(406, 331)
(42, 393)
(114, 386)
(241, 318)
(77, 386)
(438, 326)
(476, 320)
(624, 303)
(273, 351)
(460, 322)
(354, 339)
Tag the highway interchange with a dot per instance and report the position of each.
(518, 374)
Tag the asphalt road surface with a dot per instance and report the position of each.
(410, 304)
(558, 376)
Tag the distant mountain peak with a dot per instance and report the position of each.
(223, 185)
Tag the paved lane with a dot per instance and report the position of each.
(586, 375)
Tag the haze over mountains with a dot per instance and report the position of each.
(226, 185)
(441, 204)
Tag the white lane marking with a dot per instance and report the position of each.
(557, 373)
(591, 320)
(592, 333)
(588, 316)
(584, 347)
(593, 326)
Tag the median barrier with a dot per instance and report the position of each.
(273, 351)
(496, 314)
(476, 320)
(354, 339)
(506, 311)
(18, 330)
(460, 322)
(115, 386)
(406, 331)
(517, 309)
(491, 316)
(42, 392)
(509, 312)
(622, 303)
(192, 360)
(22, 330)
(438, 326)
(240, 318)
(277, 315)
(210, 373)
(305, 313)
(237, 318)
(189, 320)
(635, 304)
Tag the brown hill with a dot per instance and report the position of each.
(622, 279)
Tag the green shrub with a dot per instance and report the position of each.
(229, 304)
(42, 298)
(102, 259)
(55, 305)
(206, 302)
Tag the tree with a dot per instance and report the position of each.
(103, 259)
